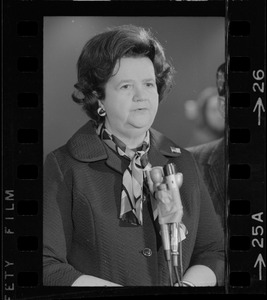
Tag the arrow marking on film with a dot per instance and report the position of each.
(259, 106)
(261, 263)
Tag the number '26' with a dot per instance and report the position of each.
(258, 75)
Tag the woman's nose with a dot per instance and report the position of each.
(138, 93)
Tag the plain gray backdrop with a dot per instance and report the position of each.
(194, 45)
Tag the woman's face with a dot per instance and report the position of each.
(131, 97)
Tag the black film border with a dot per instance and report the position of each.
(22, 144)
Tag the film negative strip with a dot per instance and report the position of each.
(23, 147)
(246, 131)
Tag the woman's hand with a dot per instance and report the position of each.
(87, 280)
(200, 275)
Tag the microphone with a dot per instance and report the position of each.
(171, 178)
(170, 213)
(174, 182)
(156, 176)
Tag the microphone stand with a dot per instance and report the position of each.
(173, 184)
(170, 232)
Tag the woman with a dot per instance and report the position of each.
(100, 222)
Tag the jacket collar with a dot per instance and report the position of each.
(85, 146)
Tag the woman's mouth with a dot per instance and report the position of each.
(142, 108)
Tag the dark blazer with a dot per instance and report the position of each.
(83, 234)
(211, 160)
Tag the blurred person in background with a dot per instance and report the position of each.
(206, 115)
(211, 156)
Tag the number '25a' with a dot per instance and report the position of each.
(257, 231)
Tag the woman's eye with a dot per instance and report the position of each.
(150, 84)
(125, 86)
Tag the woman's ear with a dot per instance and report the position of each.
(100, 104)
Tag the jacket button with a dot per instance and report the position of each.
(147, 252)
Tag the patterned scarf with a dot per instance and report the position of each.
(132, 195)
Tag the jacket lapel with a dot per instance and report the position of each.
(115, 162)
(162, 149)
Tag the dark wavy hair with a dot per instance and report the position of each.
(220, 80)
(101, 53)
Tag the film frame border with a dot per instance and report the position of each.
(247, 146)
(23, 86)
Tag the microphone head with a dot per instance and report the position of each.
(170, 169)
(156, 175)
